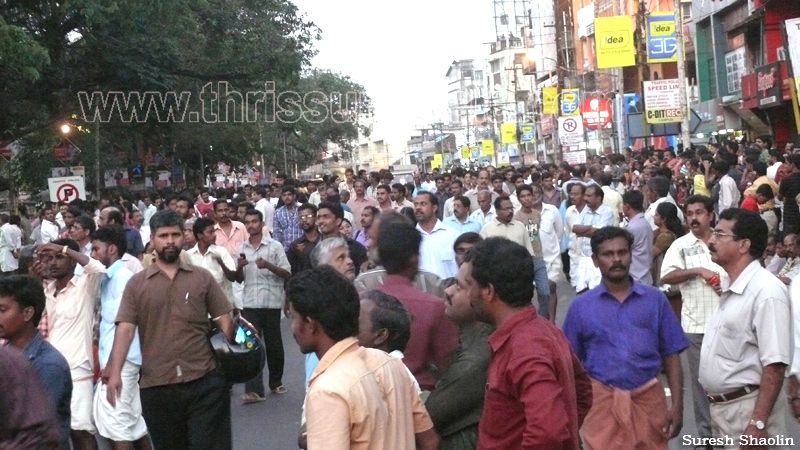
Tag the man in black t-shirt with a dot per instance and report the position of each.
(788, 190)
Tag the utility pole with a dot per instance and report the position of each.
(685, 131)
(97, 155)
(619, 83)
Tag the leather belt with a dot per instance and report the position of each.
(733, 395)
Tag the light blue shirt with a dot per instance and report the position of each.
(469, 225)
(111, 289)
(599, 218)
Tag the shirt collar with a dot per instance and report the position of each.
(503, 332)
(333, 353)
(113, 268)
(153, 268)
(636, 288)
(235, 223)
(265, 240)
(34, 345)
(436, 227)
(744, 278)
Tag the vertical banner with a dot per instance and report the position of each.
(570, 102)
(526, 134)
(437, 161)
(662, 101)
(487, 147)
(614, 42)
(508, 133)
(662, 43)
(793, 45)
(550, 100)
(465, 152)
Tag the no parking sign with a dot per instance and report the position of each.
(66, 189)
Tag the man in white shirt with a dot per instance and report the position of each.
(748, 341)
(149, 210)
(214, 258)
(399, 197)
(775, 163)
(264, 206)
(729, 194)
(611, 198)
(10, 243)
(485, 212)
(50, 228)
(457, 190)
(657, 192)
(436, 253)
(594, 216)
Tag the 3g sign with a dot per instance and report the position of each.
(662, 44)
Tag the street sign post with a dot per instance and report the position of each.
(66, 189)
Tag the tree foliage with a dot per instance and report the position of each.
(51, 51)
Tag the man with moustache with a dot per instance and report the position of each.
(688, 265)
(456, 404)
(264, 298)
(299, 253)
(629, 408)
(185, 400)
(748, 341)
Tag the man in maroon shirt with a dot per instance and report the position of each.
(433, 337)
(537, 392)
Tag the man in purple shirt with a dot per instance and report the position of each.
(433, 337)
(639, 227)
(368, 215)
(624, 332)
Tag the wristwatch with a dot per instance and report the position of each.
(64, 250)
(759, 424)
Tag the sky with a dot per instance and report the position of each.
(400, 53)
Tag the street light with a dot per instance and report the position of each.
(65, 128)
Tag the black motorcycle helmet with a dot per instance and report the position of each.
(243, 360)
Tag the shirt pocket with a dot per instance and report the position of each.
(191, 306)
(730, 344)
(446, 252)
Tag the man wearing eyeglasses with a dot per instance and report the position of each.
(688, 266)
(748, 342)
(299, 252)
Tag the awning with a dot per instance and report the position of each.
(751, 21)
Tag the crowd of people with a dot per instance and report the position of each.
(426, 308)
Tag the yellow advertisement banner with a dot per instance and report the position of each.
(508, 133)
(466, 152)
(550, 100)
(526, 132)
(487, 147)
(614, 42)
(437, 161)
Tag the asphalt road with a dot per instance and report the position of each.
(273, 424)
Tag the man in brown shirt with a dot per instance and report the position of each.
(185, 400)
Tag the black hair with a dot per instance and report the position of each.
(372, 210)
(116, 216)
(401, 188)
(254, 212)
(71, 244)
(505, 265)
(288, 188)
(669, 213)
(200, 226)
(308, 206)
(766, 191)
(385, 187)
(499, 200)
(112, 235)
(165, 218)
(598, 191)
(748, 225)
(720, 167)
(86, 223)
(470, 237)
(525, 187)
(634, 199)
(698, 198)
(324, 295)
(432, 199)
(659, 185)
(398, 243)
(26, 291)
(218, 201)
(608, 233)
(391, 315)
(463, 199)
(335, 208)
(760, 168)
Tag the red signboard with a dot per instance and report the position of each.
(596, 113)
